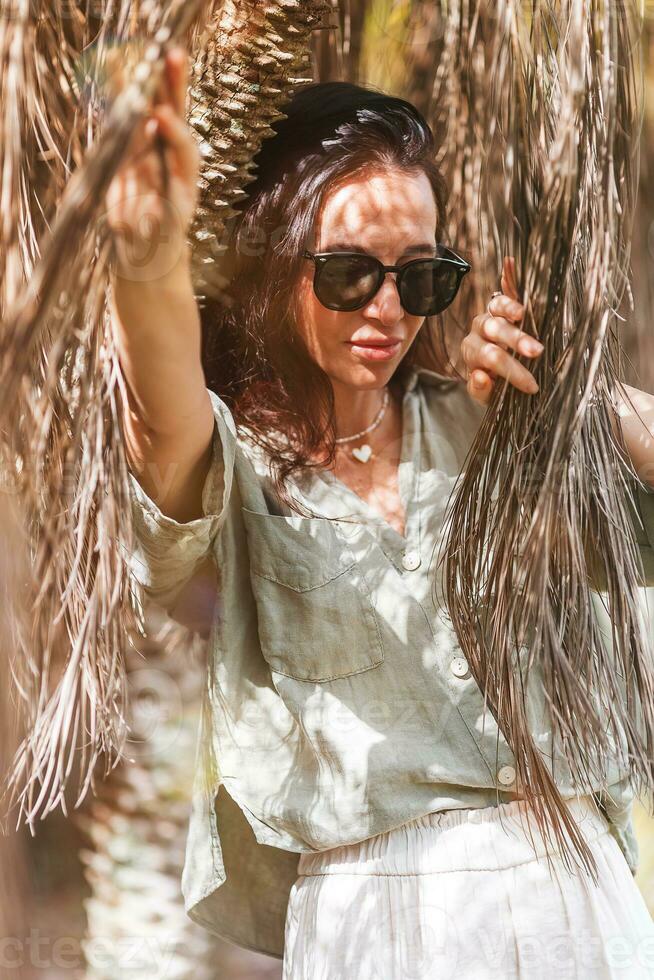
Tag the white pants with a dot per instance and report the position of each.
(459, 894)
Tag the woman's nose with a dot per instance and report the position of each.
(386, 303)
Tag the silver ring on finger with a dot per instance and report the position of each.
(498, 292)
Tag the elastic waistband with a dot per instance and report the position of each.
(471, 839)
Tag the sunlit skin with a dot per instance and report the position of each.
(493, 333)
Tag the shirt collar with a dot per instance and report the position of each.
(426, 376)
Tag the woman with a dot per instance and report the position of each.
(341, 721)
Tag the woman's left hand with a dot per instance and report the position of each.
(484, 349)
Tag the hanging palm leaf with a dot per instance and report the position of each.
(61, 392)
(59, 429)
(244, 58)
(549, 90)
(14, 880)
(640, 336)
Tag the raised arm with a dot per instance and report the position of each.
(169, 417)
(180, 437)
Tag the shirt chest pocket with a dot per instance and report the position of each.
(315, 613)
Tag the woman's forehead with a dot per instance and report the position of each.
(371, 211)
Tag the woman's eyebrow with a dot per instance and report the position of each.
(350, 247)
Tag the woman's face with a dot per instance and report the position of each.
(389, 215)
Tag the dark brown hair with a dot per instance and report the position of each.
(253, 356)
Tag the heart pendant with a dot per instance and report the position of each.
(363, 453)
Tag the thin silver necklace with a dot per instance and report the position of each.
(364, 452)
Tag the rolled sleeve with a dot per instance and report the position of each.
(165, 553)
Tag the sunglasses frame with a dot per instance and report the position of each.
(320, 258)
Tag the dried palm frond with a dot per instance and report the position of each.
(39, 130)
(467, 152)
(14, 880)
(61, 390)
(549, 89)
(639, 341)
(60, 410)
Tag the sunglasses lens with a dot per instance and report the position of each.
(429, 287)
(346, 282)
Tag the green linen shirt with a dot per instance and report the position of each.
(338, 704)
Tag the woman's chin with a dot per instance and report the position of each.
(366, 375)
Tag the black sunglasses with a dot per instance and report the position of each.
(346, 281)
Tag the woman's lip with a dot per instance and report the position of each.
(376, 352)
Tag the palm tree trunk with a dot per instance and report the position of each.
(135, 826)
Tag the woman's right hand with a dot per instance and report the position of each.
(150, 223)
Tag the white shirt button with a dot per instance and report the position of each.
(459, 667)
(506, 775)
(410, 560)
